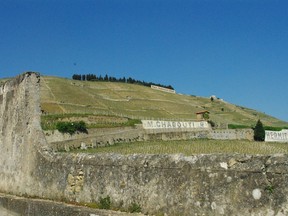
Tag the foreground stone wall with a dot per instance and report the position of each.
(172, 184)
(21, 206)
(161, 184)
(20, 133)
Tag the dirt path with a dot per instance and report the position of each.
(49, 89)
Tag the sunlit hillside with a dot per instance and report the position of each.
(59, 95)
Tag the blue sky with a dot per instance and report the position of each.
(234, 49)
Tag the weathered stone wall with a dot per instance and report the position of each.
(173, 184)
(94, 138)
(215, 184)
(20, 133)
(232, 134)
(98, 137)
(21, 206)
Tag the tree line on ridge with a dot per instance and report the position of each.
(106, 78)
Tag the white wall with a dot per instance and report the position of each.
(276, 136)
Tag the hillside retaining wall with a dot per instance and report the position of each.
(215, 184)
(99, 137)
(232, 134)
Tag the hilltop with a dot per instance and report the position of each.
(61, 95)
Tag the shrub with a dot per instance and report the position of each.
(105, 203)
(212, 123)
(134, 207)
(259, 131)
(65, 127)
(133, 122)
(269, 188)
(271, 128)
(80, 126)
(206, 116)
(71, 127)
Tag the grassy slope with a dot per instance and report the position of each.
(59, 95)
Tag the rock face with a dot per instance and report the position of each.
(161, 184)
(20, 132)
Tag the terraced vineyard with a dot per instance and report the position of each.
(59, 95)
(194, 147)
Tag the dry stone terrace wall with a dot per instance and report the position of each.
(65, 142)
(101, 137)
(232, 134)
(161, 184)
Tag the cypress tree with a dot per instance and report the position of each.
(259, 132)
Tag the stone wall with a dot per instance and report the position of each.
(101, 137)
(172, 184)
(21, 206)
(95, 138)
(215, 184)
(232, 134)
(20, 133)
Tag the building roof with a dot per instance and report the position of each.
(202, 112)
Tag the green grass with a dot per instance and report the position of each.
(274, 128)
(192, 147)
(235, 126)
(49, 122)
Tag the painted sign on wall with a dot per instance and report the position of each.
(276, 136)
(153, 124)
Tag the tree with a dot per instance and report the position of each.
(106, 78)
(206, 116)
(83, 77)
(259, 132)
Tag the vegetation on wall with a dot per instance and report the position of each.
(105, 202)
(134, 207)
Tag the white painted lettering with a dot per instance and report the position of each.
(151, 124)
(276, 136)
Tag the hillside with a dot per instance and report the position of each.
(59, 95)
